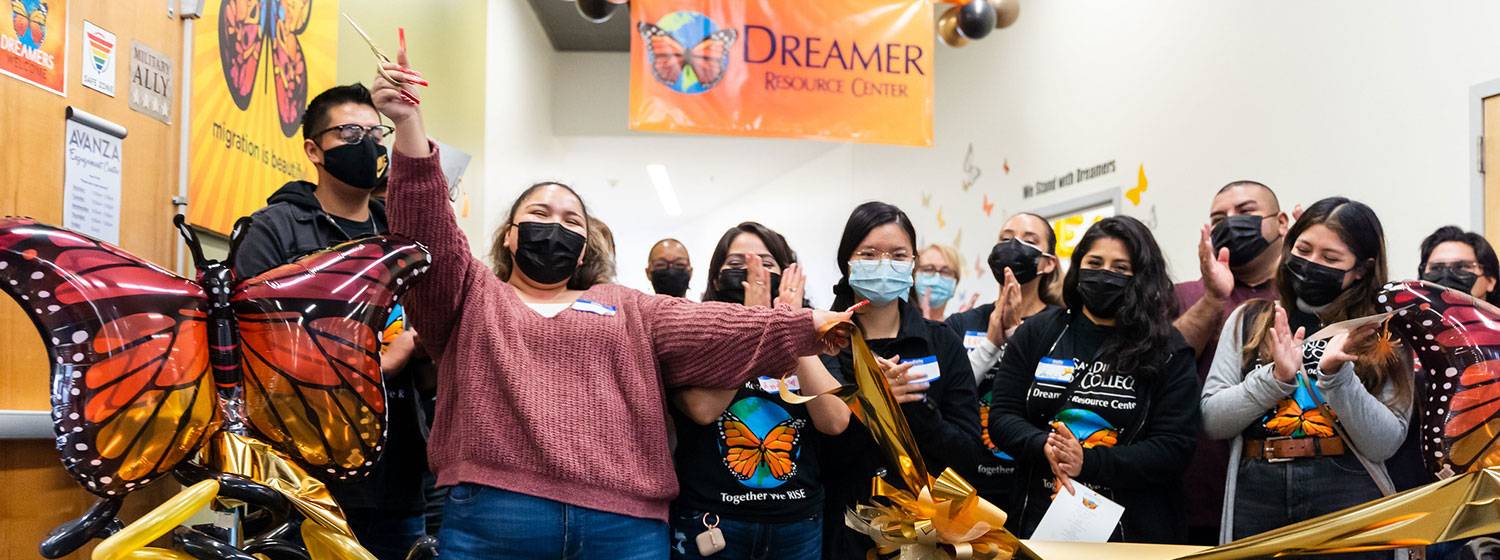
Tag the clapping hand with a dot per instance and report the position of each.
(1286, 348)
(757, 283)
(904, 381)
(1064, 455)
(1218, 280)
(792, 282)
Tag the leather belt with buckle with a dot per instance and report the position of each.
(1285, 448)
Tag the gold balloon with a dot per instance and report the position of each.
(1006, 12)
(326, 544)
(158, 522)
(948, 29)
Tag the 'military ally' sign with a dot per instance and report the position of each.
(852, 70)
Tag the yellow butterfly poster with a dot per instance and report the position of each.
(256, 63)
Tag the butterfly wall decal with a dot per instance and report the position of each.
(670, 60)
(971, 171)
(1457, 340)
(1134, 194)
(256, 34)
(988, 206)
(926, 200)
(147, 365)
(745, 452)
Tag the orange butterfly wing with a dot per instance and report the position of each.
(666, 55)
(710, 57)
(743, 452)
(778, 448)
(128, 341)
(310, 335)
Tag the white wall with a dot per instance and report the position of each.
(519, 146)
(1363, 99)
(1358, 98)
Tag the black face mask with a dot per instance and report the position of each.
(1241, 235)
(1016, 255)
(671, 281)
(547, 252)
(730, 285)
(361, 165)
(1102, 290)
(1315, 284)
(1455, 278)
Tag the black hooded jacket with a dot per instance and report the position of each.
(294, 224)
(291, 225)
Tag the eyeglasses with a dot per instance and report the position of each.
(354, 134)
(899, 255)
(942, 271)
(664, 265)
(1469, 266)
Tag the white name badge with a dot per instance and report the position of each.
(972, 339)
(596, 308)
(772, 385)
(1056, 370)
(927, 368)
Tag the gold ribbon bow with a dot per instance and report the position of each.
(943, 518)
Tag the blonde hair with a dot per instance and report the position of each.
(949, 254)
(601, 244)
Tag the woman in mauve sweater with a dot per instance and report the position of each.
(551, 419)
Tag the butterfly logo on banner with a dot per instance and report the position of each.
(29, 19)
(687, 51)
(751, 454)
(269, 31)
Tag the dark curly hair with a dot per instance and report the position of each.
(1143, 326)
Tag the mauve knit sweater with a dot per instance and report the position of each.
(571, 408)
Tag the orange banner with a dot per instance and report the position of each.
(34, 47)
(847, 70)
(256, 64)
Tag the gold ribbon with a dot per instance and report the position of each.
(258, 461)
(937, 519)
(1460, 507)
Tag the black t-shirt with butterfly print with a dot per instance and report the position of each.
(757, 463)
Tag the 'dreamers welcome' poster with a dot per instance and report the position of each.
(256, 63)
(34, 47)
(849, 70)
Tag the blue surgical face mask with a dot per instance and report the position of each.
(939, 288)
(881, 281)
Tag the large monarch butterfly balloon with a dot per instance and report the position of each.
(1457, 339)
(293, 351)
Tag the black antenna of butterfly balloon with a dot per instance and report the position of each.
(70, 536)
(237, 235)
(190, 237)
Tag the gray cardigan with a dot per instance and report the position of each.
(1232, 400)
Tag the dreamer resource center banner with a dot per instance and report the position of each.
(846, 70)
(255, 65)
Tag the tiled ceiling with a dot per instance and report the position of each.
(568, 31)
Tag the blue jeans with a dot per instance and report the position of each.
(487, 523)
(743, 540)
(388, 536)
(1273, 495)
